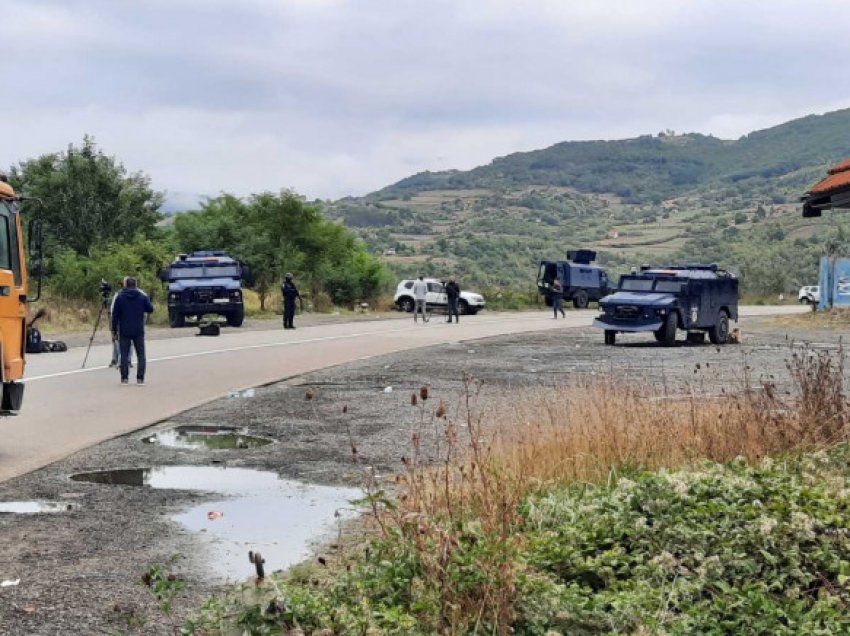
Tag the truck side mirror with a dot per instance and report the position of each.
(35, 249)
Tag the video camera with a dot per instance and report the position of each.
(105, 290)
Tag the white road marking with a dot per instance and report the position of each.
(748, 312)
(280, 343)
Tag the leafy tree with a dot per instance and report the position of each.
(278, 233)
(87, 199)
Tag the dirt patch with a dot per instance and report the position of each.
(79, 567)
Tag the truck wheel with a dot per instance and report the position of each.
(236, 318)
(580, 299)
(719, 333)
(463, 308)
(610, 337)
(667, 334)
(176, 319)
(406, 304)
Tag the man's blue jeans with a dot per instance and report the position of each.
(454, 309)
(138, 343)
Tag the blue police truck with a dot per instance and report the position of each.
(202, 283)
(581, 282)
(693, 297)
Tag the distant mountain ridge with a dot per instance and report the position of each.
(654, 165)
(655, 198)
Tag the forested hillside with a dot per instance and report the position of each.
(660, 197)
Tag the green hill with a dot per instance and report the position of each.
(662, 197)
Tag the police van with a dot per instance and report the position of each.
(697, 298)
(581, 281)
(202, 283)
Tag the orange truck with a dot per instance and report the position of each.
(13, 295)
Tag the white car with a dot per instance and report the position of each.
(470, 302)
(809, 294)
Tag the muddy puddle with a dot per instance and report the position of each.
(257, 511)
(32, 507)
(206, 438)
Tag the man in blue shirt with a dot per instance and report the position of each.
(128, 321)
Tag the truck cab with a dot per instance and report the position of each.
(13, 295)
(698, 298)
(202, 283)
(581, 281)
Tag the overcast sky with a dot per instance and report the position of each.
(338, 97)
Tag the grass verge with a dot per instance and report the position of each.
(596, 509)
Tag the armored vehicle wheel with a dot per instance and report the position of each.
(463, 308)
(580, 299)
(719, 333)
(696, 337)
(236, 318)
(406, 304)
(667, 334)
(176, 319)
(610, 337)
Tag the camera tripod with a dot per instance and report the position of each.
(103, 304)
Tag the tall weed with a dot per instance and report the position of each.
(460, 514)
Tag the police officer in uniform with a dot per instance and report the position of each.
(289, 292)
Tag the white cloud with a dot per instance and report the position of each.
(335, 97)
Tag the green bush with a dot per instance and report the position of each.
(73, 275)
(716, 549)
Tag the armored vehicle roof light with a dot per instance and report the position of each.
(582, 257)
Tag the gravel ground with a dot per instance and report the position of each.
(79, 569)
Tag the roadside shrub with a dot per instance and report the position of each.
(507, 299)
(76, 276)
(540, 513)
(718, 548)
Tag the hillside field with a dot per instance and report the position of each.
(655, 199)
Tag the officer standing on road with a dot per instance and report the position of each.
(116, 349)
(289, 292)
(558, 298)
(453, 296)
(420, 298)
(128, 321)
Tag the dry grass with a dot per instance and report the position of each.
(491, 461)
(65, 315)
(829, 319)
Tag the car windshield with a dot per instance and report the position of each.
(204, 271)
(636, 284)
(669, 286)
(666, 286)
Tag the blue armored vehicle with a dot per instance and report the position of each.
(693, 297)
(580, 281)
(201, 283)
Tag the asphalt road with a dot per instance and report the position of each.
(67, 408)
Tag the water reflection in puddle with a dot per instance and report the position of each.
(279, 518)
(31, 507)
(206, 437)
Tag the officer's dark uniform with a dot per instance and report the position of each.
(290, 293)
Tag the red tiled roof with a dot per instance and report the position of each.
(839, 177)
(840, 167)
